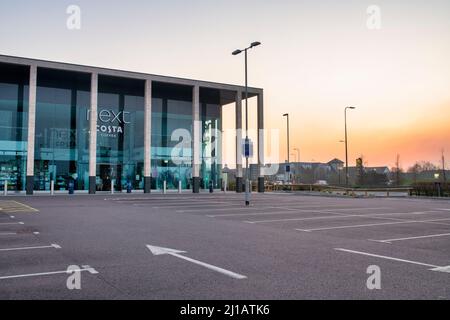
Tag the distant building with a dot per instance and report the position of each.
(332, 172)
(426, 176)
(306, 172)
(92, 129)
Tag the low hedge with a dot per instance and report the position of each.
(431, 189)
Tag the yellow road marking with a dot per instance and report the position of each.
(14, 206)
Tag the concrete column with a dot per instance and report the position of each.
(219, 146)
(148, 137)
(196, 135)
(31, 129)
(239, 172)
(93, 134)
(261, 160)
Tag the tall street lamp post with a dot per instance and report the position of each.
(288, 149)
(247, 141)
(346, 145)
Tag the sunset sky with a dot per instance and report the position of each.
(316, 58)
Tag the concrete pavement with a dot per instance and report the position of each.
(286, 246)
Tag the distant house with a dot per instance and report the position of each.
(379, 170)
(306, 172)
(336, 164)
(373, 175)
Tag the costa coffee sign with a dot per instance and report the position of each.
(110, 121)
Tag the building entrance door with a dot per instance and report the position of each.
(109, 173)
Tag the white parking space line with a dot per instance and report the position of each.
(16, 233)
(85, 268)
(412, 238)
(55, 246)
(10, 223)
(219, 209)
(341, 216)
(434, 267)
(176, 202)
(371, 225)
(183, 205)
(338, 209)
(286, 210)
(253, 213)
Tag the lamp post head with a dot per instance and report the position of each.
(286, 115)
(255, 44)
(236, 52)
(352, 108)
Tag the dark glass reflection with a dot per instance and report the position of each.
(62, 130)
(13, 125)
(171, 120)
(210, 114)
(120, 134)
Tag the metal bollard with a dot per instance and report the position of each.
(225, 187)
(179, 186)
(164, 187)
(112, 186)
(71, 187)
(52, 187)
(6, 188)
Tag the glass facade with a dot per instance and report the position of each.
(210, 115)
(13, 125)
(120, 134)
(171, 151)
(62, 130)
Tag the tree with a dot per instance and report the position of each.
(397, 172)
(372, 178)
(415, 170)
(428, 166)
(443, 167)
(360, 171)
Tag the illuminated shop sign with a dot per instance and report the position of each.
(110, 122)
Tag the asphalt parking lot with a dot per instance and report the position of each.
(210, 246)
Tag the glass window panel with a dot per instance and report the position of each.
(120, 134)
(62, 130)
(14, 82)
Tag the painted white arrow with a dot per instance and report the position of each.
(157, 251)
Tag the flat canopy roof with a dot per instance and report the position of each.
(226, 88)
